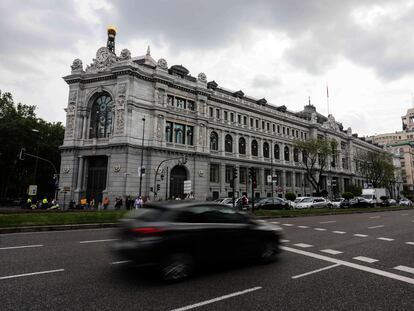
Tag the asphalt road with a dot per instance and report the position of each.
(343, 262)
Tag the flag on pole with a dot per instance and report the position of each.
(327, 91)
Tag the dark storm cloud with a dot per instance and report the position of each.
(321, 30)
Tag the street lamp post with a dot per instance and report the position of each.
(37, 154)
(142, 156)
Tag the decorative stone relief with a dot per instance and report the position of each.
(77, 66)
(125, 55)
(159, 128)
(160, 96)
(66, 169)
(162, 64)
(120, 109)
(72, 96)
(314, 118)
(70, 119)
(117, 168)
(105, 59)
(331, 123)
(202, 77)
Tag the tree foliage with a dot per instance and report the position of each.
(316, 155)
(17, 122)
(376, 167)
(354, 189)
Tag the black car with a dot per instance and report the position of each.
(272, 203)
(177, 237)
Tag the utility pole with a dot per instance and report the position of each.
(233, 182)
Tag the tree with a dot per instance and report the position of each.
(290, 196)
(348, 195)
(316, 154)
(376, 167)
(16, 131)
(354, 189)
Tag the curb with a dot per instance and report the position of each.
(57, 227)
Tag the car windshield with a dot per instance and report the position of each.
(146, 214)
(307, 200)
(367, 196)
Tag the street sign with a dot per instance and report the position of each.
(269, 178)
(279, 189)
(33, 190)
(187, 186)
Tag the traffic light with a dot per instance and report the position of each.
(252, 173)
(21, 155)
(235, 172)
(254, 183)
(158, 187)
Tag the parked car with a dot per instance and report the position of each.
(316, 202)
(406, 202)
(180, 236)
(272, 203)
(336, 203)
(392, 202)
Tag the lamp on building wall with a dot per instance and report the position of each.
(142, 156)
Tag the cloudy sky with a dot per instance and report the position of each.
(284, 51)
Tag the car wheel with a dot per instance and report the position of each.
(176, 267)
(269, 252)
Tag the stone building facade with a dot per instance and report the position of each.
(123, 111)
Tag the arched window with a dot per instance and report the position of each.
(254, 148)
(102, 117)
(228, 143)
(295, 155)
(266, 150)
(287, 153)
(277, 152)
(213, 141)
(242, 145)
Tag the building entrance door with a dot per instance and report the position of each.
(178, 175)
(96, 179)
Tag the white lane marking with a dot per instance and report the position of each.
(365, 259)
(288, 225)
(303, 227)
(385, 239)
(57, 231)
(372, 217)
(23, 246)
(360, 235)
(339, 232)
(303, 245)
(315, 271)
(331, 251)
(28, 274)
(284, 241)
(206, 302)
(327, 222)
(275, 222)
(350, 265)
(120, 262)
(97, 241)
(405, 269)
(404, 214)
(319, 229)
(409, 243)
(374, 227)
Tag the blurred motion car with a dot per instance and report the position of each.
(179, 237)
(272, 203)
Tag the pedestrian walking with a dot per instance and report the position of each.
(128, 203)
(118, 203)
(138, 202)
(105, 203)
